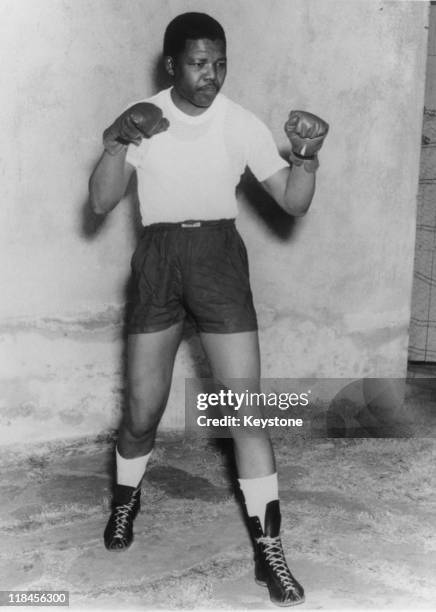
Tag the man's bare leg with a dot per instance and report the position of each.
(149, 372)
(232, 357)
(236, 356)
(150, 362)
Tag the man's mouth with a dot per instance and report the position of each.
(209, 88)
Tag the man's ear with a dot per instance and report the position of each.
(169, 64)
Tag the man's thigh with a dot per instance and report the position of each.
(150, 361)
(235, 363)
(233, 355)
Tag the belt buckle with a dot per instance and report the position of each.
(191, 224)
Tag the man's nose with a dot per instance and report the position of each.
(210, 71)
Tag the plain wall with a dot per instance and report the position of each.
(333, 289)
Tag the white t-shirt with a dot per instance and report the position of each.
(191, 171)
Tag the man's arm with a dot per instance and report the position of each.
(293, 188)
(110, 178)
(108, 182)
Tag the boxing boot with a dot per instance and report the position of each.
(271, 569)
(126, 503)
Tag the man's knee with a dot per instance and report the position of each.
(139, 432)
(140, 425)
(146, 402)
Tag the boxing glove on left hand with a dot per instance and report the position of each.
(142, 120)
(306, 133)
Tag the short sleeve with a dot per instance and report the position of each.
(133, 155)
(262, 155)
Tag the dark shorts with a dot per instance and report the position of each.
(194, 269)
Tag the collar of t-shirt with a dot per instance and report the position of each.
(204, 117)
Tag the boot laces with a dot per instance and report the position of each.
(276, 558)
(122, 515)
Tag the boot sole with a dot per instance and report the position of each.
(119, 550)
(282, 604)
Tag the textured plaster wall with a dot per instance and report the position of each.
(332, 289)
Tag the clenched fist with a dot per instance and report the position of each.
(142, 120)
(306, 133)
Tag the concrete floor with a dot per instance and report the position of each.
(359, 524)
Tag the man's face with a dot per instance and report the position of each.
(199, 73)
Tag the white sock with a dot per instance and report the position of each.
(131, 471)
(258, 492)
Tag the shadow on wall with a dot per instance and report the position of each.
(265, 207)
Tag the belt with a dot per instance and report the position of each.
(190, 224)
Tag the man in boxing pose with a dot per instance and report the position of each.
(189, 145)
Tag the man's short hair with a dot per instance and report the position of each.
(190, 26)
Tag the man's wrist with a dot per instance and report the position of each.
(310, 164)
(303, 157)
(115, 148)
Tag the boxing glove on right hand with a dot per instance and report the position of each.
(142, 120)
